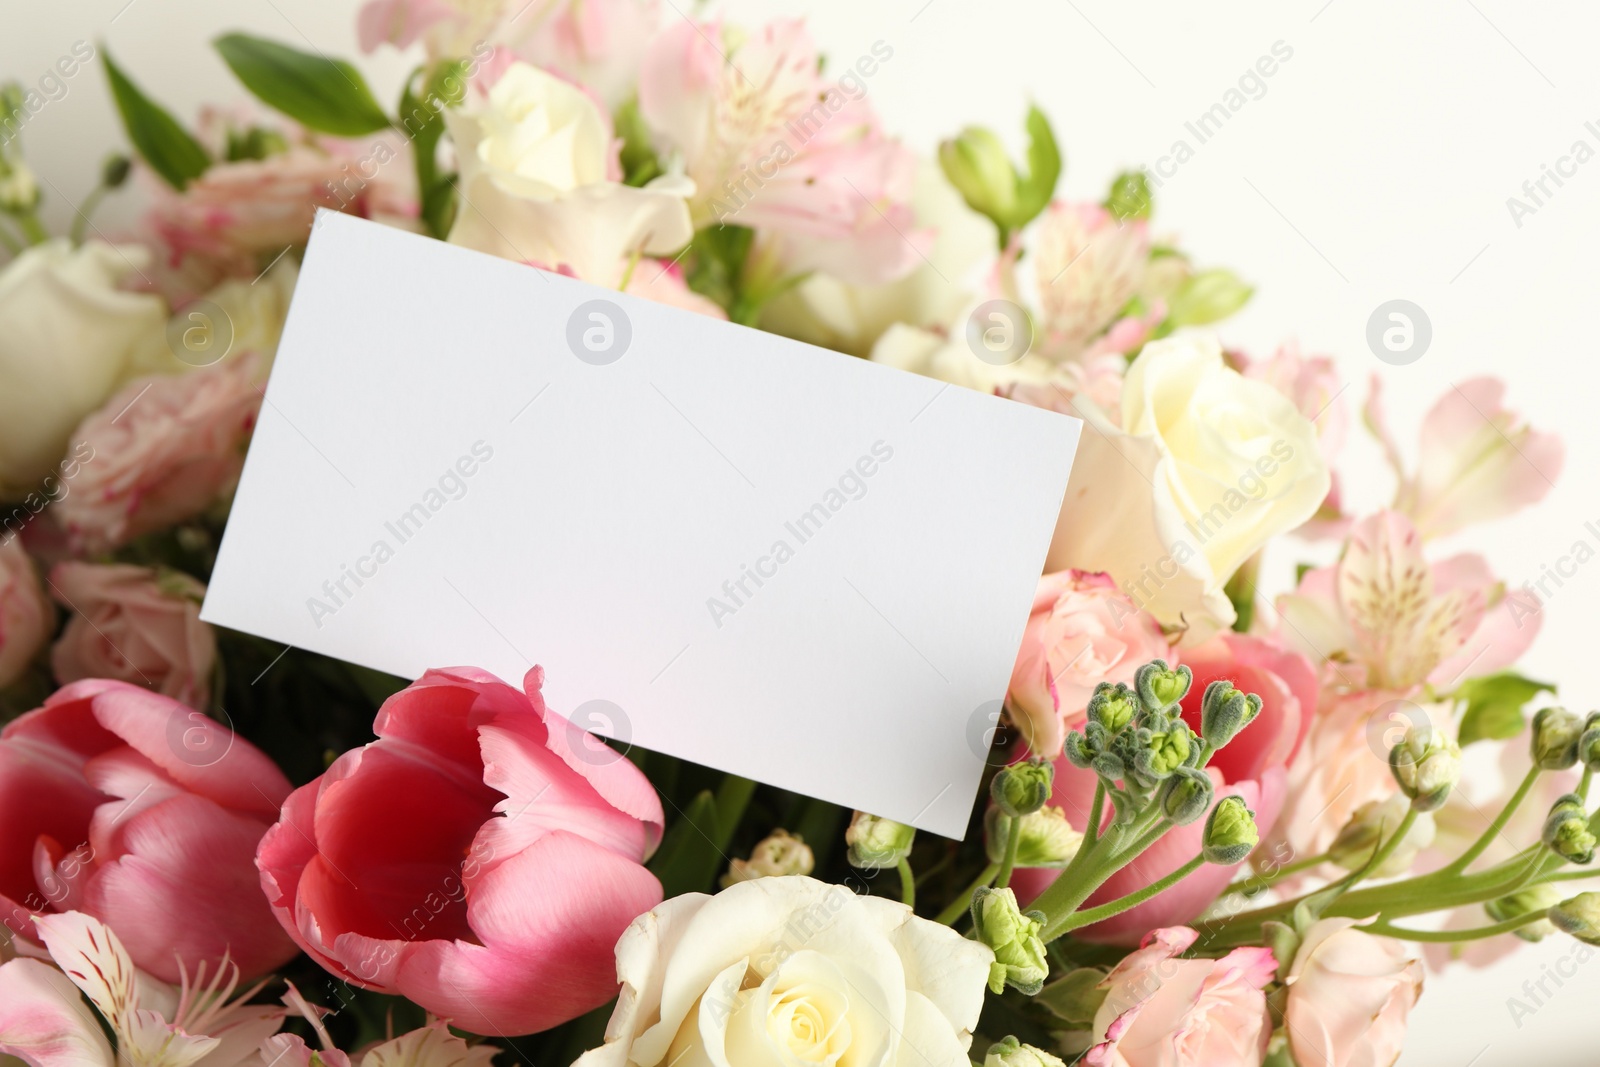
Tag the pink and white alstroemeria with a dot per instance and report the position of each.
(43, 1020)
(1388, 619)
(1478, 459)
(432, 1045)
(772, 144)
(1087, 266)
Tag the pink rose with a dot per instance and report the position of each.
(599, 44)
(1349, 996)
(145, 814)
(1315, 386)
(134, 624)
(165, 448)
(1252, 766)
(26, 618)
(1162, 1011)
(508, 845)
(1083, 631)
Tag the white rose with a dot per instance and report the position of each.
(535, 159)
(780, 971)
(69, 338)
(1200, 470)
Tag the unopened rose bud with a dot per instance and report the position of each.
(1013, 934)
(1013, 1053)
(877, 842)
(1534, 898)
(1160, 686)
(1579, 916)
(779, 854)
(1113, 706)
(1022, 788)
(1224, 711)
(1230, 833)
(1186, 795)
(1556, 732)
(1048, 839)
(1566, 830)
(1427, 764)
(1375, 822)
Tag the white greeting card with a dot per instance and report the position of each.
(720, 544)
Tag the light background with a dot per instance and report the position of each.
(1376, 166)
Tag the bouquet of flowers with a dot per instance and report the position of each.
(1217, 827)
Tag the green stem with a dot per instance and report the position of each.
(1091, 832)
(12, 245)
(908, 884)
(1013, 843)
(1391, 843)
(1487, 838)
(1121, 904)
(80, 221)
(1257, 883)
(1471, 934)
(32, 228)
(958, 907)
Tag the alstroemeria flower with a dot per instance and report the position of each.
(1478, 459)
(1387, 619)
(1087, 267)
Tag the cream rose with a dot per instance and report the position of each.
(538, 182)
(1199, 469)
(788, 970)
(69, 337)
(1349, 997)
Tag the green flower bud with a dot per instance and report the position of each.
(1589, 748)
(1534, 898)
(1579, 916)
(1207, 296)
(1077, 750)
(1230, 834)
(1556, 732)
(975, 162)
(1159, 686)
(1113, 706)
(1186, 796)
(1566, 830)
(1374, 822)
(1427, 764)
(1166, 751)
(877, 842)
(19, 190)
(1019, 959)
(1048, 839)
(114, 171)
(1130, 196)
(1224, 711)
(1013, 1053)
(1023, 787)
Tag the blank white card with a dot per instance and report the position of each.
(720, 544)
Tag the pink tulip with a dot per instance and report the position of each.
(481, 857)
(137, 810)
(1251, 766)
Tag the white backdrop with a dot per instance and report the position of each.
(1376, 166)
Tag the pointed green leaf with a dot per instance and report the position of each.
(328, 95)
(1044, 169)
(169, 149)
(1494, 705)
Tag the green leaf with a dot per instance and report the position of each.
(1494, 705)
(1044, 169)
(639, 160)
(1075, 998)
(422, 119)
(169, 149)
(324, 94)
(687, 860)
(1130, 196)
(1207, 297)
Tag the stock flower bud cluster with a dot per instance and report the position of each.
(1579, 916)
(1426, 764)
(1372, 824)
(1013, 934)
(1566, 830)
(876, 842)
(1556, 733)
(1224, 711)
(1589, 742)
(1012, 1053)
(1534, 898)
(1230, 834)
(1136, 734)
(1023, 788)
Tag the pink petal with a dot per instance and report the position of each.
(43, 1020)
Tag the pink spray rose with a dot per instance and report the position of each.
(481, 857)
(26, 618)
(144, 813)
(1251, 766)
(134, 624)
(166, 447)
(1349, 997)
(1083, 631)
(1162, 1011)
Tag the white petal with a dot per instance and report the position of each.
(44, 1021)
